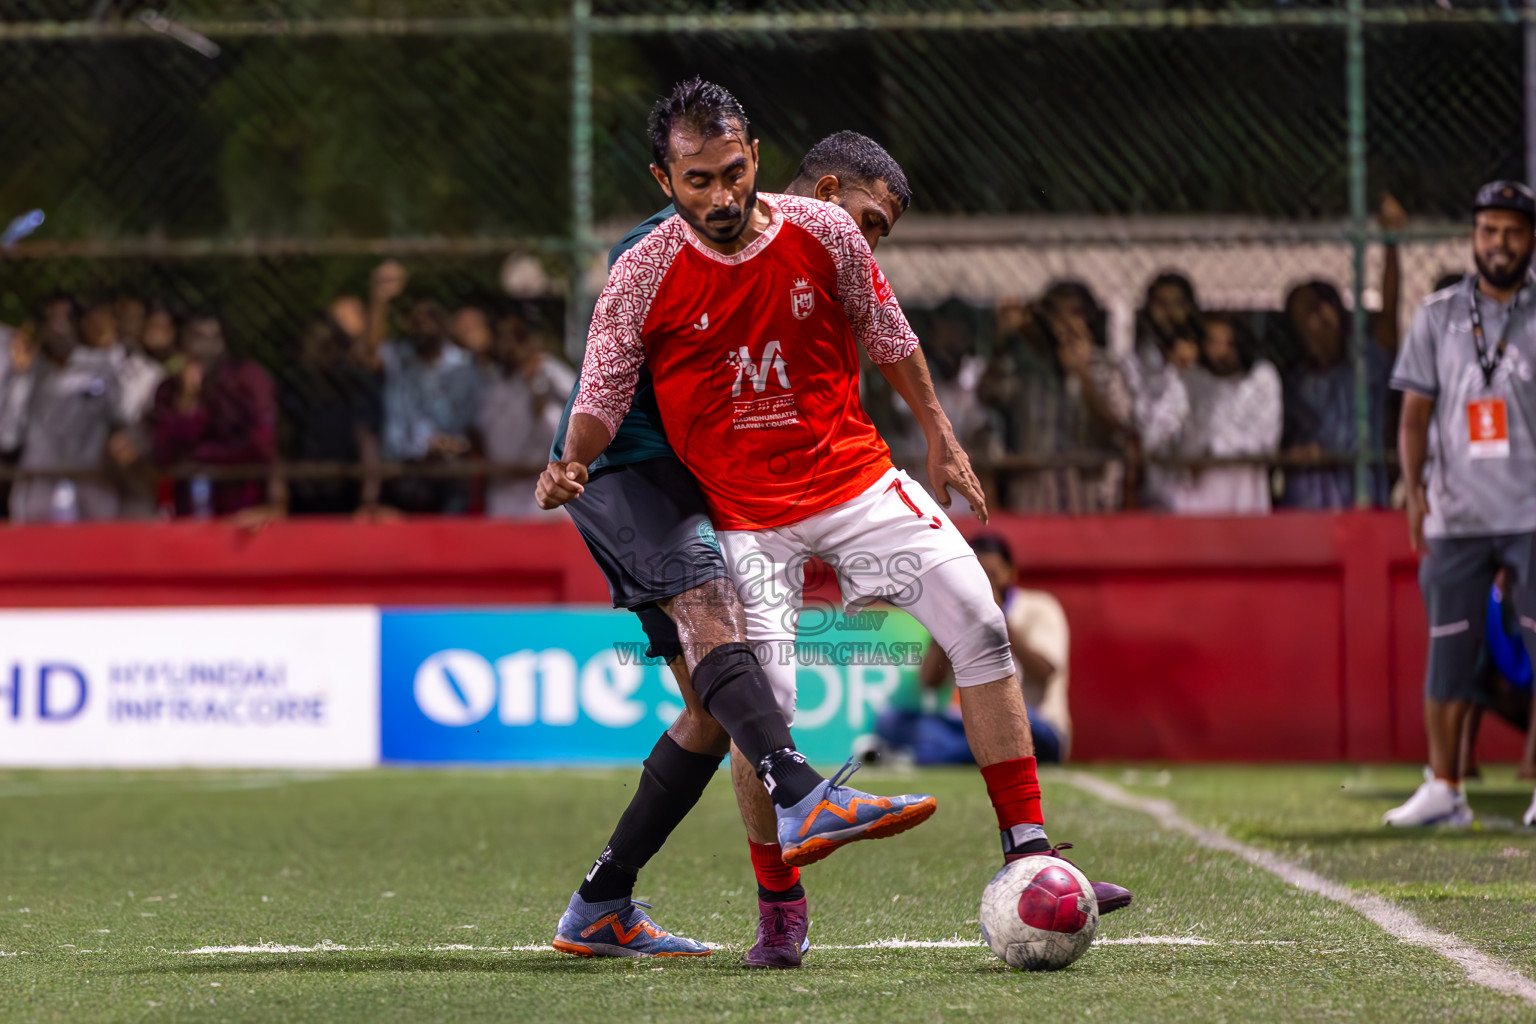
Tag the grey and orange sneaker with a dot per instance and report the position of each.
(1111, 897)
(833, 815)
(781, 935)
(617, 928)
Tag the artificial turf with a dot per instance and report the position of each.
(431, 878)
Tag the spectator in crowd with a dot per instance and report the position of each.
(1038, 634)
(470, 329)
(1167, 347)
(219, 410)
(349, 314)
(949, 344)
(1061, 393)
(72, 412)
(1319, 400)
(1234, 411)
(331, 413)
(525, 392)
(158, 338)
(15, 389)
(128, 311)
(432, 398)
(138, 374)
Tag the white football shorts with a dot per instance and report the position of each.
(892, 543)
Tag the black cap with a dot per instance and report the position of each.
(1506, 195)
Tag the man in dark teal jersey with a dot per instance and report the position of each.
(645, 521)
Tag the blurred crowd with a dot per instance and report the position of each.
(392, 402)
(1212, 412)
(124, 407)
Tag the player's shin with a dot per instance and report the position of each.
(671, 782)
(733, 687)
(997, 724)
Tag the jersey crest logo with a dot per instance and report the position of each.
(772, 364)
(802, 299)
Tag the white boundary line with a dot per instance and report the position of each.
(1481, 969)
(954, 943)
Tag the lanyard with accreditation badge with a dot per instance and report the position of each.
(1488, 418)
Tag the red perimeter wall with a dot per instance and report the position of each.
(1291, 637)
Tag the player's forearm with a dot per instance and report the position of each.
(1413, 436)
(585, 438)
(910, 378)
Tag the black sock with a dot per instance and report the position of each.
(788, 778)
(671, 782)
(733, 687)
(767, 895)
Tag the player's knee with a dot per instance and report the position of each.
(698, 733)
(709, 615)
(981, 652)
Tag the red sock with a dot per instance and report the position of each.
(1015, 792)
(768, 864)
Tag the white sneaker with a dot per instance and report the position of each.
(1530, 812)
(1433, 803)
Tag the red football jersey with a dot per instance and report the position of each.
(753, 358)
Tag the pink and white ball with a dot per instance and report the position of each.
(1039, 914)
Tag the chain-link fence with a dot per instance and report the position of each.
(262, 157)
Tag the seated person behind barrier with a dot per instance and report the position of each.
(1504, 685)
(1038, 633)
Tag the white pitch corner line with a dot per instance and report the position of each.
(1481, 969)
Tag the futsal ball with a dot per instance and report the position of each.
(1039, 914)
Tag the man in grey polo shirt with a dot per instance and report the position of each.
(1468, 374)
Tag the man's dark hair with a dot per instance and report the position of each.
(856, 160)
(1172, 279)
(992, 544)
(198, 314)
(68, 298)
(1325, 293)
(1071, 290)
(695, 106)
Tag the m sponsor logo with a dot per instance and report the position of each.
(756, 410)
(760, 371)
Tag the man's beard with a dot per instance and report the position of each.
(1504, 278)
(724, 229)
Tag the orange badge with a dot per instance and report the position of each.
(1487, 429)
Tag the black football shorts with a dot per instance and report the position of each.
(648, 528)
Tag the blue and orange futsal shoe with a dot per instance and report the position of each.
(618, 928)
(833, 815)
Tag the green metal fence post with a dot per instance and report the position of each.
(576, 312)
(1354, 57)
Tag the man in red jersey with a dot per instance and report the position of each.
(746, 309)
